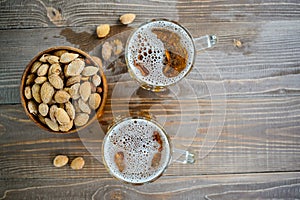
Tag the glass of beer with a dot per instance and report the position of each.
(137, 150)
(161, 52)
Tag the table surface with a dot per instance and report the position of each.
(238, 110)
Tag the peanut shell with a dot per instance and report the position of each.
(40, 80)
(74, 68)
(127, 18)
(66, 127)
(68, 57)
(59, 53)
(56, 81)
(27, 92)
(81, 119)
(103, 30)
(84, 107)
(85, 90)
(73, 79)
(77, 163)
(60, 161)
(35, 91)
(62, 116)
(47, 92)
(32, 107)
(94, 101)
(35, 66)
(44, 58)
(54, 69)
(52, 59)
(52, 124)
(52, 111)
(42, 70)
(74, 91)
(61, 96)
(96, 80)
(43, 109)
(89, 71)
(70, 109)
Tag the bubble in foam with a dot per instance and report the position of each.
(152, 56)
(139, 150)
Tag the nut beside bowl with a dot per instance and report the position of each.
(63, 89)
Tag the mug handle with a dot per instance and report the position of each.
(184, 157)
(205, 42)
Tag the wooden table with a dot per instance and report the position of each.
(238, 110)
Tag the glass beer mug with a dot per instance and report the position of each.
(137, 150)
(161, 52)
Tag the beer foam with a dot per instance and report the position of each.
(144, 47)
(134, 138)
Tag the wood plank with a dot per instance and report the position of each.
(233, 186)
(257, 136)
(29, 14)
(79, 13)
(238, 110)
(259, 67)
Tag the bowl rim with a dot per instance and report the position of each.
(100, 110)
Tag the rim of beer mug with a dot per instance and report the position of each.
(162, 130)
(151, 87)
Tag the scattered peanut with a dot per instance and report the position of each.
(127, 18)
(60, 161)
(77, 163)
(103, 30)
(237, 43)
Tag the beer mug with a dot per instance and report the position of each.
(161, 52)
(137, 150)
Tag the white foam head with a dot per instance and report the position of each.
(136, 141)
(146, 48)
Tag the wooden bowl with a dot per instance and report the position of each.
(88, 60)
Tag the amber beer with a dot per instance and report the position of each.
(136, 150)
(159, 54)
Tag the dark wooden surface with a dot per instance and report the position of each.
(249, 93)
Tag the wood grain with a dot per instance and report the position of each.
(235, 186)
(270, 71)
(79, 13)
(254, 138)
(238, 110)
